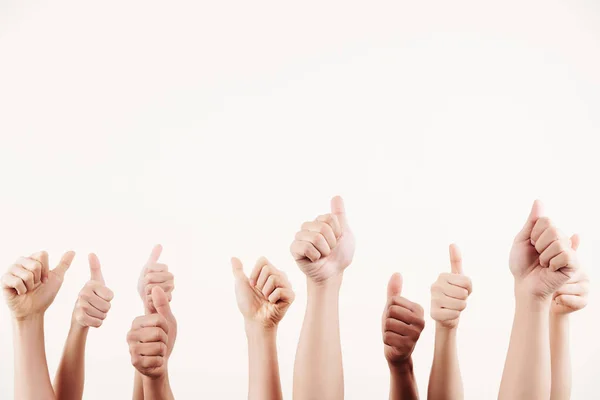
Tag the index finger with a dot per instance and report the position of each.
(455, 259)
(149, 321)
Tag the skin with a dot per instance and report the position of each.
(402, 324)
(323, 249)
(91, 309)
(149, 341)
(154, 274)
(571, 297)
(263, 300)
(448, 299)
(541, 261)
(29, 288)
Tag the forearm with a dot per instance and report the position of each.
(403, 385)
(70, 376)
(445, 381)
(157, 389)
(318, 372)
(560, 357)
(527, 369)
(32, 380)
(264, 383)
(138, 386)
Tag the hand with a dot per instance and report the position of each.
(30, 286)
(541, 258)
(573, 295)
(155, 274)
(94, 299)
(450, 292)
(325, 247)
(265, 297)
(402, 324)
(151, 336)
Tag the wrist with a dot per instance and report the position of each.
(255, 329)
(402, 367)
(28, 320)
(446, 330)
(333, 283)
(535, 302)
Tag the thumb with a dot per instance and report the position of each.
(537, 211)
(64, 264)
(575, 241)
(394, 285)
(161, 303)
(238, 268)
(155, 255)
(339, 209)
(455, 259)
(95, 271)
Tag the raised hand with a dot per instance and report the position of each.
(573, 295)
(541, 259)
(450, 292)
(29, 285)
(402, 323)
(265, 297)
(325, 247)
(155, 274)
(94, 299)
(152, 337)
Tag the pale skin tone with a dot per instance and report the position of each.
(150, 340)
(154, 273)
(571, 297)
(29, 287)
(402, 324)
(448, 299)
(542, 260)
(91, 308)
(323, 249)
(263, 300)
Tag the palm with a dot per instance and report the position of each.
(35, 301)
(335, 263)
(525, 266)
(255, 306)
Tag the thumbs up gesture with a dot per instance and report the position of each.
(263, 298)
(450, 292)
(155, 274)
(542, 258)
(402, 324)
(93, 302)
(324, 247)
(30, 286)
(152, 337)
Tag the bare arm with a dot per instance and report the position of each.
(527, 369)
(264, 382)
(70, 376)
(403, 385)
(318, 371)
(138, 386)
(157, 389)
(560, 357)
(445, 381)
(32, 380)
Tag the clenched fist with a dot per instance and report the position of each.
(152, 337)
(402, 324)
(325, 247)
(29, 285)
(572, 296)
(450, 292)
(94, 299)
(542, 258)
(266, 296)
(155, 274)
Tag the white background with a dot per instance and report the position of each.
(217, 128)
